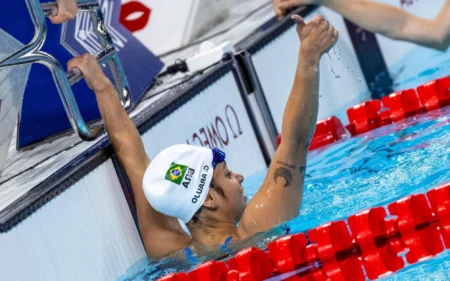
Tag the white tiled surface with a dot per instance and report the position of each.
(86, 233)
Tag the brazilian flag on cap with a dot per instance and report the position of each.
(176, 173)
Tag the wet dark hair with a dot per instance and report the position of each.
(218, 189)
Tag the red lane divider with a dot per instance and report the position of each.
(254, 264)
(364, 117)
(397, 106)
(335, 253)
(209, 271)
(378, 256)
(435, 94)
(403, 104)
(373, 114)
(439, 199)
(290, 252)
(415, 223)
(332, 238)
(327, 131)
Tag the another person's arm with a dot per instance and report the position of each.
(279, 199)
(387, 20)
(67, 10)
(161, 234)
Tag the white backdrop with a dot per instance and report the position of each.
(214, 118)
(86, 233)
(173, 24)
(276, 63)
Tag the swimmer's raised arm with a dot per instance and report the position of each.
(279, 198)
(127, 143)
(388, 20)
(67, 10)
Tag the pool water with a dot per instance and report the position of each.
(373, 169)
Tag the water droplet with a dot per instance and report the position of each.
(359, 79)
(332, 69)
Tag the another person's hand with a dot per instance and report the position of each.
(67, 10)
(317, 37)
(282, 6)
(91, 70)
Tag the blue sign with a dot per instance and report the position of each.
(43, 115)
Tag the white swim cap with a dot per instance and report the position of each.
(177, 181)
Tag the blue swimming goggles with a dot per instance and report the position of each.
(218, 157)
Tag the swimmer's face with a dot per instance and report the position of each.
(233, 203)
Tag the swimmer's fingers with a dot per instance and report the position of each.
(288, 4)
(299, 20)
(76, 62)
(67, 10)
(276, 8)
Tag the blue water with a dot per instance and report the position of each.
(373, 169)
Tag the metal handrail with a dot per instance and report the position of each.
(32, 53)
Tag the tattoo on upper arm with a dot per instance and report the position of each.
(284, 173)
(302, 169)
(287, 165)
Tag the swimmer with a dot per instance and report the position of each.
(195, 185)
(67, 10)
(385, 19)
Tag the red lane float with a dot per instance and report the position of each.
(435, 94)
(328, 131)
(335, 253)
(291, 252)
(403, 104)
(374, 236)
(417, 227)
(333, 238)
(253, 264)
(397, 106)
(209, 271)
(364, 117)
(439, 199)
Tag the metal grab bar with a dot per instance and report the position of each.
(32, 53)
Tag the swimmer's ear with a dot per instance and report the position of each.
(210, 203)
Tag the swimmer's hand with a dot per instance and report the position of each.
(67, 10)
(282, 6)
(317, 37)
(92, 72)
